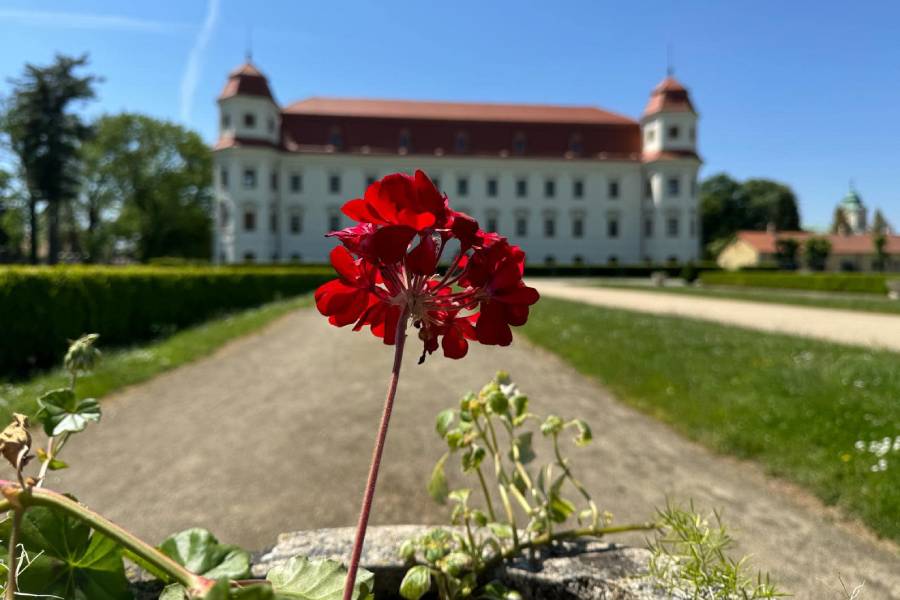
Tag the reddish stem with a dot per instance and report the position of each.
(376, 458)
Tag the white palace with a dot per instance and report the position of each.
(570, 184)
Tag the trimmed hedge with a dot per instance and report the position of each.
(41, 308)
(672, 270)
(862, 283)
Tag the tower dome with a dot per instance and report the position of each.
(669, 96)
(246, 80)
(854, 211)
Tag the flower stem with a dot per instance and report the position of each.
(12, 557)
(400, 341)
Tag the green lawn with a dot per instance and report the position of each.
(123, 367)
(881, 304)
(820, 414)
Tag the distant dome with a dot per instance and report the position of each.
(852, 199)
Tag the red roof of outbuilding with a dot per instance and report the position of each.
(669, 96)
(864, 243)
(246, 80)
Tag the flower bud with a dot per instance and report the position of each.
(82, 356)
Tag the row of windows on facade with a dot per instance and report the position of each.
(577, 222)
(404, 139)
(492, 185)
(673, 133)
(249, 122)
(549, 259)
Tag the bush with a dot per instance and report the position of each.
(645, 270)
(41, 309)
(862, 283)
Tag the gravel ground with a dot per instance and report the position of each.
(842, 326)
(273, 433)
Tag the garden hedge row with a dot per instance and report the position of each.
(42, 308)
(672, 270)
(863, 283)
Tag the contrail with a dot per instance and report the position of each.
(192, 69)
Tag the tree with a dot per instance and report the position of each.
(839, 223)
(45, 136)
(156, 176)
(879, 241)
(880, 224)
(727, 206)
(12, 226)
(786, 250)
(816, 250)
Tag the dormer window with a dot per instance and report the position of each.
(575, 146)
(249, 120)
(461, 143)
(405, 142)
(335, 139)
(519, 143)
(249, 178)
(674, 132)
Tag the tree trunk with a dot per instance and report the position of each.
(33, 225)
(52, 233)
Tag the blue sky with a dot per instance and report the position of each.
(803, 92)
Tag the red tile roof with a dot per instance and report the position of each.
(456, 111)
(246, 80)
(764, 241)
(669, 96)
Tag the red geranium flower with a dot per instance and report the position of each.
(389, 271)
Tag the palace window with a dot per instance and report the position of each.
(521, 187)
(650, 135)
(612, 227)
(519, 143)
(694, 185)
(334, 183)
(692, 226)
(226, 120)
(612, 189)
(249, 120)
(648, 189)
(673, 186)
(249, 257)
(577, 227)
(461, 143)
(549, 188)
(462, 186)
(612, 260)
(549, 227)
(274, 182)
(249, 218)
(437, 183)
(223, 177)
(296, 183)
(273, 219)
(334, 221)
(549, 260)
(672, 226)
(674, 132)
(521, 226)
(249, 178)
(648, 227)
(578, 188)
(370, 179)
(296, 222)
(578, 260)
(295, 257)
(270, 123)
(223, 214)
(491, 222)
(492, 187)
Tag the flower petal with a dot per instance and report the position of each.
(422, 260)
(390, 243)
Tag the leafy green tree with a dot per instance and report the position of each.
(839, 223)
(721, 211)
(769, 203)
(786, 251)
(157, 177)
(880, 224)
(46, 135)
(816, 250)
(12, 225)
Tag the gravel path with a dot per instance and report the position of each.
(843, 326)
(273, 433)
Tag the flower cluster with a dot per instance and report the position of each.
(390, 271)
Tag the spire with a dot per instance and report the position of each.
(670, 67)
(248, 53)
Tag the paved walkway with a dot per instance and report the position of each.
(274, 433)
(843, 326)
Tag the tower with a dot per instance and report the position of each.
(246, 219)
(854, 211)
(670, 224)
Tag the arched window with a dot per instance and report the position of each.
(249, 218)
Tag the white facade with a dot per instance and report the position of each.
(276, 206)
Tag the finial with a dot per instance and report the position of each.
(670, 69)
(852, 185)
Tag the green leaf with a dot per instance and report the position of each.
(416, 583)
(200, 552)
(498, 402)
(61, 412)
(501, 530)
(437, 485)
(444, 420)
(523, 446)
(319, 579)
(55, 463)
(68, 561)
(560, 508)
(472, 458)
(461, 495)
(584, 436)
(479, 517)
(520, 404)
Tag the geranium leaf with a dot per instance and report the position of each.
(221, 591)
(319, 579)
(62, 412)
(437, 485)
(444, 420)
(201, 553)
(67, 560)
(55, 463)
